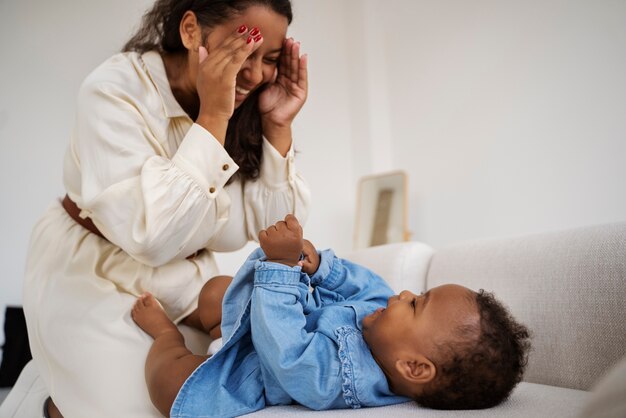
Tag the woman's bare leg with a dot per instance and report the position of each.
(169, 362)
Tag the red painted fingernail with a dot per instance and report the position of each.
(242, 29)
(249, 39)
(254, 31)
(257, 38)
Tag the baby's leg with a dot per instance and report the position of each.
(210, 304)
(208, 316)
(169, 362)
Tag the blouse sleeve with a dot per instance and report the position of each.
(149, 205)
(279, 191)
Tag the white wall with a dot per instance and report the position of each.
(507, 115)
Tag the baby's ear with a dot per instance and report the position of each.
(418, 370)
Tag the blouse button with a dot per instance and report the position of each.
(212, 190)
(225, 167)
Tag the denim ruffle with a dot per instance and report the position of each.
(347, 368)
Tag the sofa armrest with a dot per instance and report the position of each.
(403, 265)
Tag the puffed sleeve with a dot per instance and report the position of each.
(279, 191)
(152, 206)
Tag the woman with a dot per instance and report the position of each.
(182, 146)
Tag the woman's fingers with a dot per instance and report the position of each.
(285, 57)
(293, 67)
(203, 54)
(303, 73)
(235, 49)
(294, 58)
(234, 52)
(241, 33)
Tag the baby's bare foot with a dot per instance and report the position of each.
(150, 317)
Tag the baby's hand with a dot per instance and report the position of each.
(282, 242)
(311, 261)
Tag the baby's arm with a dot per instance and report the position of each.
(303, 362)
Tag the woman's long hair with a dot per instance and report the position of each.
(159, 31)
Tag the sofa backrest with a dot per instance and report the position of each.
(403, 265)
(568, 287)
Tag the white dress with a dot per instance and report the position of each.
(154, 183)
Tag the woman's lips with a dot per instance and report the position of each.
(241, 93)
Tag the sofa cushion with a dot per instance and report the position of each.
(402, 265)
(527, 400)
(567, 287)
(608, 399)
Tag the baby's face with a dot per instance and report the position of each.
(418, 322)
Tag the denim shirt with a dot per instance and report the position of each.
(284, 343)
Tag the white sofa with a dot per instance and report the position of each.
(568, 287)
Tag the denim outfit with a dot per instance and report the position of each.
(284, 344)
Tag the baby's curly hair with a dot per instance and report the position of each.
(480, 368)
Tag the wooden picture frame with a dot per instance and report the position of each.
(381, 210)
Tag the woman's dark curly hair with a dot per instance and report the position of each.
(480, 368)
(159, 31)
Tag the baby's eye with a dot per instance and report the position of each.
(413, 303)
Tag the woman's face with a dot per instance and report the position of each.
(261, 65)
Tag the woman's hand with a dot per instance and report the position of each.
(282, 99)
(217, 78)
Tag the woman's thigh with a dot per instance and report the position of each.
(85, 344)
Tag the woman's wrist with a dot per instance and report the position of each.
(279, 136)
(216, 125)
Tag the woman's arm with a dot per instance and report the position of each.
(151, 205)
(280, 190)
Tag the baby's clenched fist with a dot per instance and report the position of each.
(282, 242)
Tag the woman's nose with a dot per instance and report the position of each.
(252, 72)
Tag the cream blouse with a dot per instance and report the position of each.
(154, 182)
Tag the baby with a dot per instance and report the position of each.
(305, 327)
